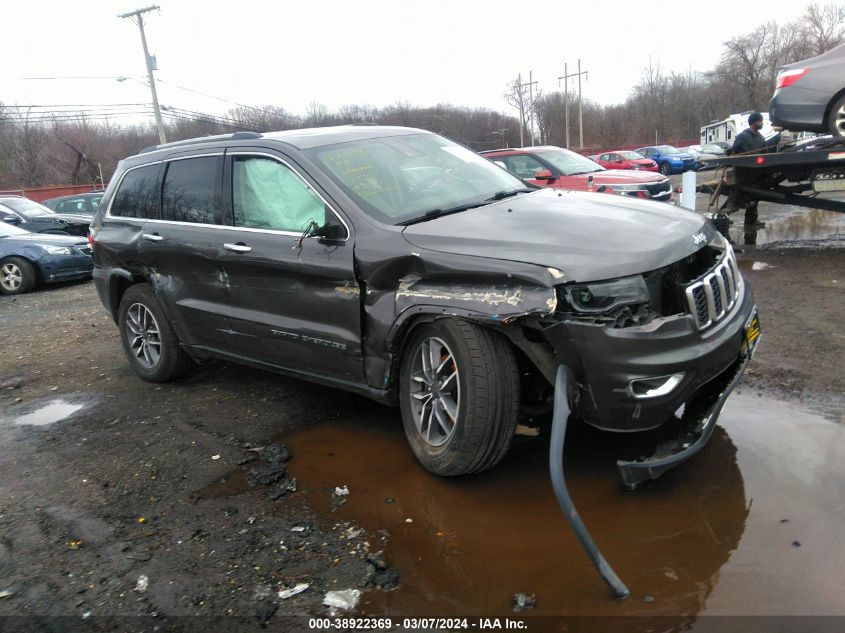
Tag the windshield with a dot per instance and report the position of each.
(397, 178)
(569, 163)
(631, 155)
(26, 208)
(7, 230)
(667, 149)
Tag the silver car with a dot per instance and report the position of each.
(810, 94)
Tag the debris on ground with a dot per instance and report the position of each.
(390, 500)
(339, 496)
(382, 576)
(276, 454)
(527, 431)
(266, 474)
(142, 584)
(648, 599)
(346, 599)
(286, 487)
(266, 612)
(796, 543)
(284, 594)
(523, 601)
(7, 593)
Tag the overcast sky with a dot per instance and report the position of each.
(291, 52)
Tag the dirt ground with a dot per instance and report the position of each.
(137, 503)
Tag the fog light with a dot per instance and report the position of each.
(643, 388)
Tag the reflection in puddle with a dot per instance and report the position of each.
(48, 414)
(713, 537)
(473, 542)
(804, 224)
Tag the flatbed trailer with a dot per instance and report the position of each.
(794, 175)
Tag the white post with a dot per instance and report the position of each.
(688, 190)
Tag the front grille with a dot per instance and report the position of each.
(85, 250)
(659, 189)
(712, 296)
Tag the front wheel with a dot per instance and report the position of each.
(459, 396)
(17, 276)
(836, 118)
(665, 169)
(148, 339)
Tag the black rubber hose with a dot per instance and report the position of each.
(559, 418)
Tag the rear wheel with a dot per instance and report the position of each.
(17, 276)
(459, 397)
(836, 118)
(148, 339)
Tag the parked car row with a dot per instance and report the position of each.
(560, 168)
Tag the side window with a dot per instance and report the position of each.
(138, 193)
(187, 194)
(94, 202)
(268, 195)
(604, 157)
(523, 166)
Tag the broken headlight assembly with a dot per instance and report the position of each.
(606, 296)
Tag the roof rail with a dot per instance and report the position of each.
(204, 139)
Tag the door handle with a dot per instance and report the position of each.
(152, 237)
(240, 247)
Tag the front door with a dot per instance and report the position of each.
(294, 300)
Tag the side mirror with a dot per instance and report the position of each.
(330, 232)
(543, 174)
(11, 219)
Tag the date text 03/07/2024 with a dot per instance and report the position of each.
(384, 624)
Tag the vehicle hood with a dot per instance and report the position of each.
(587, 236)
(681, 156)
(642, 161)
(35, 239)
(624, 177)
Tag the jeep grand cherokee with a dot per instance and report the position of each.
(397, 264)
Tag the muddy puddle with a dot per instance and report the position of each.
(753, 525)
(716, 536)
(790, 224)
(50, 413)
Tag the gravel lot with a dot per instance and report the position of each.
(137, 503)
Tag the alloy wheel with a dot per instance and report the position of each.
(435, 391)
(144, 335)
(11, 277)
(839, 122)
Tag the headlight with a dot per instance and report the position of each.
(57, 250)
(637, 187)
(607, 295)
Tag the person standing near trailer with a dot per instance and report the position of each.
(750, 141)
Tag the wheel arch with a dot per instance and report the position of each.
(829, 107)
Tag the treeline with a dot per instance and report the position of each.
(38, 148)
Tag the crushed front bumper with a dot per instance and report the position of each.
(697, 424)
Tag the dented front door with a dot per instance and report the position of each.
(294, 301)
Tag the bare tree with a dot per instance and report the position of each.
(518, 96)
(824, 27)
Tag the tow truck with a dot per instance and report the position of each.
(794, 175)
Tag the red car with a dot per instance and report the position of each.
(625, 159)
(559, 168)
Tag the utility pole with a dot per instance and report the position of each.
(530, 85)
(138, 16)
(565, 78)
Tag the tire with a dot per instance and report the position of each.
(836, 118)
(665, 169)
(484, 396)
(148, 339)
(17, 276)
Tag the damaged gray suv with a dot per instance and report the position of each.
(397, 264)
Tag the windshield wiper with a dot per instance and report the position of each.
(581, 173)
(438, 213)
(501, 195)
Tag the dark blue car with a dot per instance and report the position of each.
(30, 258)
(670, 160)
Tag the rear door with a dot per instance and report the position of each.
(295, 301)
(181, 250)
